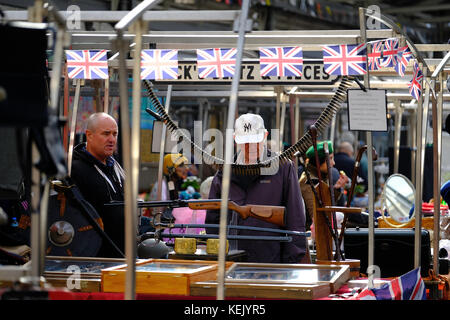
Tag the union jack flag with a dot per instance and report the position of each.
(159, 64)
(216, 63)
(415, 85)
(409, 286)
(374, 58)
(403, 57)
(345, 59)
(86, 64)
(390, 53)
(285, 61)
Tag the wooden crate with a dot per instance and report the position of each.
(161, 276)
(59, 272)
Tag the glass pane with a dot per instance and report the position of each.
(169, 267)
(285, 274)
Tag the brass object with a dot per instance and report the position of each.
(212, 246)
(185, 245)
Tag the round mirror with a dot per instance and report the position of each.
(399, 198)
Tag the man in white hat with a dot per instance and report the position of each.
(277, 189)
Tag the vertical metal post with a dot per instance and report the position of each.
(362, 23)
(106, 97)
(229, 152)
(131, 220)
(282, 120)
(122, 45)
(397, 133)
(163, 144)
(422, 115)
(73, 125)
(437, 147)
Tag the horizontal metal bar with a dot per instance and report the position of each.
(229, 237)
(160, 15)
(211, 225)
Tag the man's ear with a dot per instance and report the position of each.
(88, 134)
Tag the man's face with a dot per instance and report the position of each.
(323, 166)
(182, 171)
(102, 140)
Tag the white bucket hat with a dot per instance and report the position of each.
(249, 128)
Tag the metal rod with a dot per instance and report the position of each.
(123, 46)
(282, 121)
(370, 189)
(229, 152)
(131, 220)
(437, 149)
(230, 237)
(422, 116)
(73, 125)
(106, 96)
(212, 225)
(135, 14)
(397, 134)
(163, 144)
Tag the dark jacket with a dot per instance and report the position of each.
(280, 189)
(98, 190)
(346, 163)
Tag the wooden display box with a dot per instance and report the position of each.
(60, 272)
(296, 281)
(161, 276)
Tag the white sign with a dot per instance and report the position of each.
(367, 110)
(313, 74)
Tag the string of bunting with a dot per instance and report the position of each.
(341, 60)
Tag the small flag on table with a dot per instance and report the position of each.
(409, 286)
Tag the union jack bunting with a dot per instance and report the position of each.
(284, 61)
(403, 57)
(390, 53)
(374, 58)
(409, 286)
(159, 64)
(415, 85)
(345, 59)
(86, 64)
(216, 63)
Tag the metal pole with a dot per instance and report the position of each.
(106, 97)
(73, 125)
(397, 133)
(437, 147)
(282, 121)
(229, 152)
(122, 45)
(422, 115)
(131, 155)
(163, 144)
(370, 177)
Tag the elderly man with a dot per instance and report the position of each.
(279, 189)
(100, 177)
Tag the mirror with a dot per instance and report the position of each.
(399, 198)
